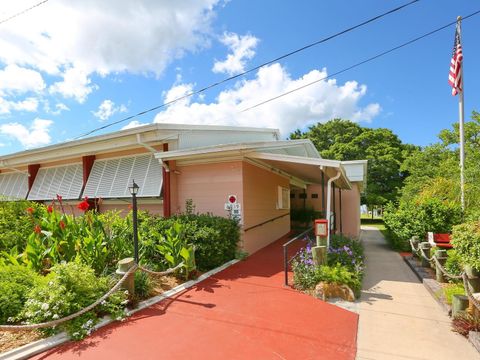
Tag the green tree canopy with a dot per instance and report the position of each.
(345, 140)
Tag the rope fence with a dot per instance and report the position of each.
(421, 253)
(117, 286)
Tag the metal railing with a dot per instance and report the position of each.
(285, 251)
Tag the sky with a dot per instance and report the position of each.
(69, 67)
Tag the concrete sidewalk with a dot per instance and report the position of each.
(399, 319)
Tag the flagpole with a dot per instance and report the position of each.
(460, 128)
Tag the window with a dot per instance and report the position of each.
(13, 186)
(110, 178)
(314, 196)
(66, 181)
(292, 195)
(283, 198)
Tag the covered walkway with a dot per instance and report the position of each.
(243, 312)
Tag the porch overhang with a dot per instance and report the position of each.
(307, 169)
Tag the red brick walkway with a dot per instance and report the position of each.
(243, 312)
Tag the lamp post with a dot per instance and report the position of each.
(134, 191)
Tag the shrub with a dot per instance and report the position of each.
(15, 224)
(466, 241)
(416, 218)
(143, 285)
(345, 266)
(67, 289)
(453, 289)
(215, 238)
(15, 283)
(453, 265)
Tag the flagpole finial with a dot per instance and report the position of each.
(459, 18)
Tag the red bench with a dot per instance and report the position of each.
(440, 240)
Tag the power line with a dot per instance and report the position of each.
(208, 87)
(360, 63)
(22, 12)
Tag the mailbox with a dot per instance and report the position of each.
(321, 227)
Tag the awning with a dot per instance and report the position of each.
(307, 169)
(66, 181)
(13, 186)
(110, 178)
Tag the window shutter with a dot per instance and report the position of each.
(13, 186)
(66, 181)
(110, 178)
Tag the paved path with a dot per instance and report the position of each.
(399, 319)
(244, 312)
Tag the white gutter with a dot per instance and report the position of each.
(329, 200)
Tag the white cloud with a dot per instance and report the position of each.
(15, 79)
(75, 84)
(36, 135)
(317, 103)
(133, 124)
(242, 48)
(107, 108)
(105, 36)
(29, 104)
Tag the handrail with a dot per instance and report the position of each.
(285, 251)
(265, 222)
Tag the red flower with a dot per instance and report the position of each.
(84, 205)
(49, 208)
(37, 229)
(62, 225)
(59, 198)
(30, 210)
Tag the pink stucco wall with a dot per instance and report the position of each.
(208, 185)
(351, 211)
(260, 196)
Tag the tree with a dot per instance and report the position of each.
(345, 140)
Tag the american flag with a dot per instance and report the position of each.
(455, 74)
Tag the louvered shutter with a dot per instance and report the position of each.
(13, 186)
(110, 178)
(66, 181)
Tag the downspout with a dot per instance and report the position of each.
(329, 200)
(340, 201)
(166, 186)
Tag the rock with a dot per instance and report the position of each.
(324, 291)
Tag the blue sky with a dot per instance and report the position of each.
(67, 68)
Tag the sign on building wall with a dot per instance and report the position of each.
(233, 207)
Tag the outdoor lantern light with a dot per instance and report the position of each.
(134, 188)
(134, 191)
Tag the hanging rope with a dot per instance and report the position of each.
(469, 293)
(72, 316)
(160, 273)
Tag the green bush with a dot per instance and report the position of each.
(415, 218)
(215, 238)
(68, 288)
(466, 241)
(15, 283)
(453, 289)
(453, 265)
(15, 224)
(345, 266)
(143, 285)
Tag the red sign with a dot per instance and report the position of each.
(321, 227)
(232, 199)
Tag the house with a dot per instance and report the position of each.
(228, 171)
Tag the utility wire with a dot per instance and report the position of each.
(360, 63)
(251, 69)
(22, 12)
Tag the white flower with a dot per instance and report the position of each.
(45, 306)
(124, 302)
(55, 316)
(126, 292)
(10, 319)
